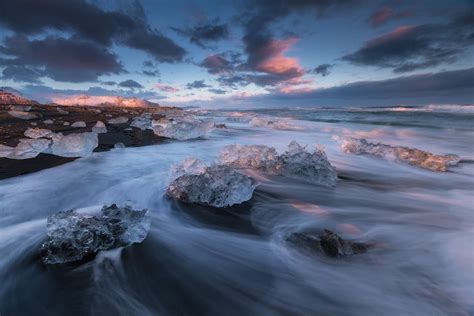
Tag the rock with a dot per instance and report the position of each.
(49, 122)
(37, 133)
(296, 162)
(218, 186)
(411, 156)
(79, 124)
(74, 145)
(21, 108)
(79, 235)
(182, 128)
(328, 243)
(99, 128)
(223, 126)
(118, 120)
(23, 115)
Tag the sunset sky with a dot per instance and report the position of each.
(241, 53)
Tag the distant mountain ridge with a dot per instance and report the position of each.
(9, 98)
(86, 100)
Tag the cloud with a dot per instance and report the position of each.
(223, 63)
(197, 84)
(71, 60)
(323, 69)
(233, 81)
(166, 88)
(385, 14)
(409, 48)
(22, 74)
(204, 34)
(90, 22)
(449, 86)
(130, 84)
(151, 73)
(217, 91)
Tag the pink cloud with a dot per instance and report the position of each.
(166, 88)
(386, 13)
(393, 35)
(276, 62)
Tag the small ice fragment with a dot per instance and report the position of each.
(218, 186)
(99, 128)
(26, 149)
(37, 132)
(23, 115)
(182, 128)
(61, 111)
(411, 156)
(118, 120)
(142, 122)
(75, 145)
(78, 235)
(78, 124)
(66, 123)
(119, 145)
(49, 121)
(21, 108)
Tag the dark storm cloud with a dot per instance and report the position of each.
(450, 86)
(86, 54)
(217, 91)
(71, 60)
(22, 74)
(323, 69)
(233, 81)
(130, 84)
(223, 63)
(385, 14)
(408, 48)
(197, 84)
(202, 35)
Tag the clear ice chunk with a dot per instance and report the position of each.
(23, 115)
(74, 145)
(118, 120)
(142, 122)
(411, 156)
(78, 124)
(182, 128)
(296, 162)
(38, 133)
(99, 128)
(218, 186)
(78, 235)
(26, 149)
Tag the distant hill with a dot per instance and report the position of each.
(10, 98)
(85, 100)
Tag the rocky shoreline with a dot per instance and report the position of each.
(69, 120)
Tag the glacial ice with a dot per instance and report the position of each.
(99, 128)
(189, 166)
(77, 235)
(182, 128)
(49, 122)
(118, 120)
(21, 108)
(74, 145)
(26, 149)
(66, 123)
(411, 156)
(61, 111)
(250, 156)
(78, 124)
(218, 186)
(275, 123)
(23, 115)
(37, 133)
(142, 122)
(296, 162)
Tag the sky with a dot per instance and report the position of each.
(236, 54)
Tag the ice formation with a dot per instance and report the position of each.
(296, 162)
(22, 108)
(99, 128)
(189, 166)
(78, 124)
(218, 186)
(182, 128)
(74, 145)
(78, 235)
(118, 120)
(66, 123)
(412, 156)
(119, 145)
(61, 111)
(38, 133)
(48, 121)
(142, 122)
(23, 115)
(26, 149)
